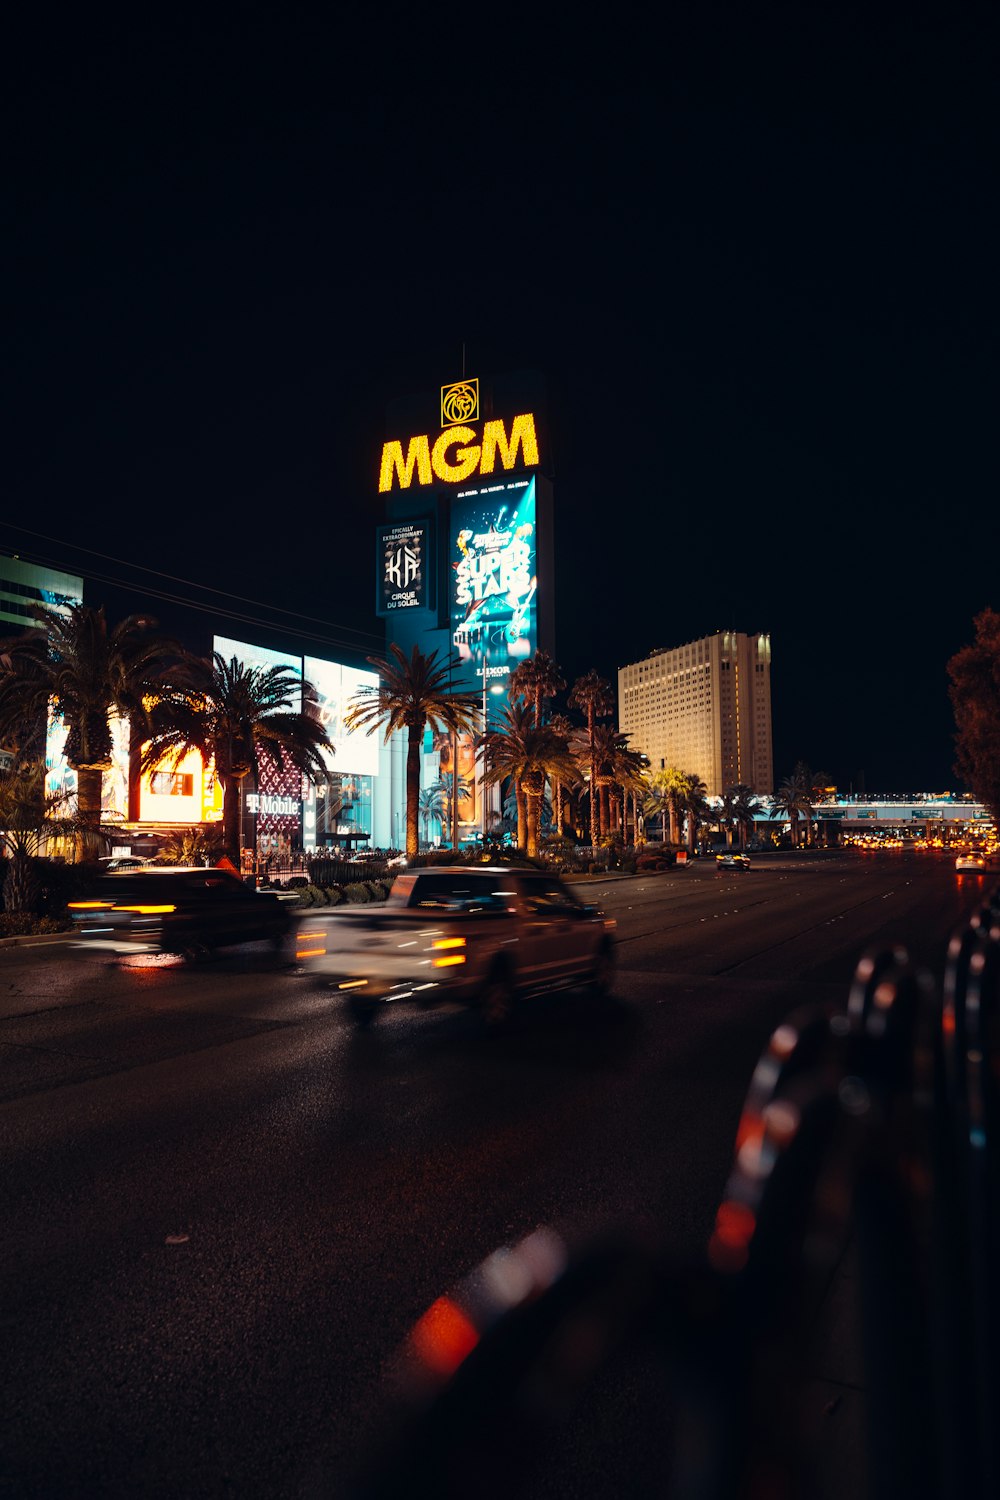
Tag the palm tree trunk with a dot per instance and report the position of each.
(522, 816)
(231, 819)
(20, 885)
(414, 738)
(532, 810)
(88, 801)
(593, 779)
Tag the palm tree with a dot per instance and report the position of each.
(666, 789)
(695, 803)
(814, 785)
(449, 791)
(412, 693)
(527, 755)
(593, 696)
(561, 725)
(432, 804)
(29, 817)
(535, 679)
(90, 674)
(743, 804)
(517, 720)
(232, 714)
(791, 799)
(630, 767)
(657, 800)
(726, 818)
(604, 744)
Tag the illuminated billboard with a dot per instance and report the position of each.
(181, 791)
(114, 781)
(354, 751)
(403, 563)
(494, 579)
(60, 778)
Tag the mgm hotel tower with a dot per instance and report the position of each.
(704, 708)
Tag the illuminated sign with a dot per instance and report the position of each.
(275, 807)
(354, 751)
(403, 557)
(181, 790)
(459, 453)
(459, 402)
(493, 602)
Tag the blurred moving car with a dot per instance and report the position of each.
(188, 911)
(732, 860)
(123, 862)
(970, 863)
(484, 936)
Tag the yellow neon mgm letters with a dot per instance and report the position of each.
(456, 455)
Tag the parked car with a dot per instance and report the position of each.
(732, 860)
(190, 911)
(484, 936)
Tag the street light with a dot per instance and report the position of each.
(496, 688)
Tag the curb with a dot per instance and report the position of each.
(33, 939)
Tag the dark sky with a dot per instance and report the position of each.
(755, 257)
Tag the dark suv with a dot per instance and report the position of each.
(185, 911)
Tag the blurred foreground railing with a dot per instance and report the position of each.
(871, 1129)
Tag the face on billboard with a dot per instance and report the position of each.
(336, 685)
(259, 658)
(494, 572)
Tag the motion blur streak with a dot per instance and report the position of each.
(443, 1337)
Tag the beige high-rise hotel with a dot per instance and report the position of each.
(704, 708)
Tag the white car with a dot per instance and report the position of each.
(485, 936)
(970, 864)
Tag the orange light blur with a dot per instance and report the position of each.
(90, 905)
(310, 952)
(448, 943)
(443, 1337)
(729, 1247)
(750, 1128)
(445, 963)
(148, 911)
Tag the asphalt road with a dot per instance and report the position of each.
(223, 1209)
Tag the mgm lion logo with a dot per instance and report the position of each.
(459, 403)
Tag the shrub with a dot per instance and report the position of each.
(379, 889)
(24, 924)
(334, 895)
(357, 894)
(310, 895)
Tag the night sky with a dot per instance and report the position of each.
(755, 258)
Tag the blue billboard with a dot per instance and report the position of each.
(494, 580)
